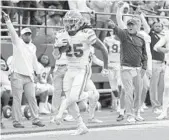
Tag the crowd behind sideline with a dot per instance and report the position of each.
(38, 18)
(109, 6)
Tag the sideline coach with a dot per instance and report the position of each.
(133, 65)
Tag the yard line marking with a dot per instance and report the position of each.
(116, 128)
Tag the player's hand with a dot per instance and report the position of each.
(105, 72)
(60, 43)
(111, 24)
(149, 73)
(120, 4)
(142, 72)
(5, 16)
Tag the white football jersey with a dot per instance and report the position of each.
(62, 60)
(79, 50)
(113, 47)
(44, 72)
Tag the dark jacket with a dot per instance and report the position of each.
(154, 39)
(133, 50)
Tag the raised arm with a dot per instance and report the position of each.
(119, 17)
(145, 24)
(14, 35)
(117, 31)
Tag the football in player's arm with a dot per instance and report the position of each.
(62, 45)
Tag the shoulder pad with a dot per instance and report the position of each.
(62, 31)
(88, 31)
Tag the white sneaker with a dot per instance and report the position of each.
(42, 109)
(131, 119)
(69, 118)
(93, 120)
(82, 129)
(162, 116)
(142, 110)
(139, 118)
(157, 111)
(144, 106)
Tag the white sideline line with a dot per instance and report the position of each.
(115, 128)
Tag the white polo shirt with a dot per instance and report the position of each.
(24, 55)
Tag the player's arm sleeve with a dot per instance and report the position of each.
(144, 56)
(99, 45)
(14, 35)
(91, 37)
(119, 19)
(159, 46)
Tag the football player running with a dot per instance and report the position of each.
(76, 39)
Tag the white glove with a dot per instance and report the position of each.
(60, 43)
(105, 72)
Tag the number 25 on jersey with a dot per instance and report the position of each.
(75, 50)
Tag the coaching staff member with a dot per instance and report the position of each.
(133, 64)
(24, 63)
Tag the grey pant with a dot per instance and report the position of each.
(21, 83)
(58, 87)
(132, 83)
(157, 85)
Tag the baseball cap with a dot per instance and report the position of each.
(25, 30)
(132, 21)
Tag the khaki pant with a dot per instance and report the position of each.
(157, 84)
(166, 90)
(21, 83)
(132, 83)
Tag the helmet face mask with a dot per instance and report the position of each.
(72, 21)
